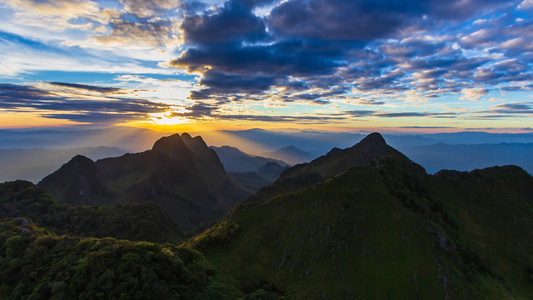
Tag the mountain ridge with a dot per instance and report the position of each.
(385, 229)
(179, 173)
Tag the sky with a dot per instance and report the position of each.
(338, 65)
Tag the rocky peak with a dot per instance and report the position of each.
(374, 139)
(170, 145)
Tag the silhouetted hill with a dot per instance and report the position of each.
(383, 228)
(181, 174)
(235, 160)
(144, 221)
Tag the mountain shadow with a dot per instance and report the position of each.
(180, 173)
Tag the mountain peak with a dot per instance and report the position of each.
(185, 136)
(170, 145)
(375, 138)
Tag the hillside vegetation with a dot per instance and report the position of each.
(136, 222)
(38, 264)
(386, 229)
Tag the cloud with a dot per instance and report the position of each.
(370, 102)
(513, 108)
(92, 88)
(233, 22)
(360, 113)
(283, 118)
(76, 106)
(382, 114)
(525, 5)
(271, 53)
(473, 94)
(415, 114)
(20, 56)
(154, 32)
(518, 43)
(68, 8)
(144, 9)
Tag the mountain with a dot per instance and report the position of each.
(326, 166)
(363, 222)
(180, 173)
(234, 160)
(469, 157)
(34, 164)
(291, 154)
(143, 221)
(378, 226)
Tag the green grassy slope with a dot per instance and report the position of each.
(493, 213)
(380, 231)
(329, 165)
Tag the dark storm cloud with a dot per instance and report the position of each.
(233, 22)
(275, 60)
(75, 106)
(367, 20)
(375, 46)
(243, 83)
(341, 19)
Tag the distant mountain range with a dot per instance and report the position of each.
(181, 174)
(250, 171)
(364, 222)
(234, 160)
(469, 157)
(255, 142)
(291, 154)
